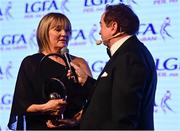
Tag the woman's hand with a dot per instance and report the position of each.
(66, 122)
(55, 105)
(51, 106)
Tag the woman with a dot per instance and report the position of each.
(32, 108)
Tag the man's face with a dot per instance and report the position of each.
(105, 31)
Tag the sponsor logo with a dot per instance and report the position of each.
(13, 41)
(32, 40)
(7, 71)
(92, 34)
(148, 32)
(163, 31)
(164, 103)
(6, 12)
(39, 8)
(18, 41)
(5, 102)
(63, 7)
(78, 37)
(161, 2)
(168, 67)
(91, 6)
(98, 66)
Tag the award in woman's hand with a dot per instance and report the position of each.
(55, 89)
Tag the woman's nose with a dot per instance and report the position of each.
(63, 32)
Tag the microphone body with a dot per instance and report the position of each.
(65, 53)
(98, 42)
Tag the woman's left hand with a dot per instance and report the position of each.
(66, 122)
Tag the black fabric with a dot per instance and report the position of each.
(30, 89)
(124, 91)
(108, 52)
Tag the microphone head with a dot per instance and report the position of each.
(98, 42)
(64, 50)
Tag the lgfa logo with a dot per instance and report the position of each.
(6, 12)
(92, 34)
(6, 72)
(5, 101)
(88, 3)
(42, 6)
(78, 37)
(163, 31)
(98, 5)
(148, 32)
(168, 64)
(168, 67)
(13, 41)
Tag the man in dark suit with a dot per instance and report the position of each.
(123, 96)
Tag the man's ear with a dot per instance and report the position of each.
(114, 27)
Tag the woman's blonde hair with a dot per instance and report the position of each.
(47, 23)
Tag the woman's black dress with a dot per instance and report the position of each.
(30, 88)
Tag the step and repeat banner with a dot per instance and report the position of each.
(159, 31)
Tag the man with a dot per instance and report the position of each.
(123, 96)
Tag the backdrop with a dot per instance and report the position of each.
(159, 31)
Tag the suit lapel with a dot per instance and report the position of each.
(118, 52)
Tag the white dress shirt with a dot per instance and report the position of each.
(117, 44)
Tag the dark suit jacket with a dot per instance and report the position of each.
(124, 92)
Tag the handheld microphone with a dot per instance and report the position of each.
(98, 42)
(65, 53)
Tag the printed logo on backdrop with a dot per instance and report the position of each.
(151, 32)
(97, 66)
(78, 37)
(11, 42)
(164, 31)
(5, 13)
(6, 71)
(162, 2)
(32, 40)
(92, 34)
(5, 101)
(168, 67)
(63, 7)
(91, 6)
(39, 8)
(4, 129)
(147, 32)
(164, 104)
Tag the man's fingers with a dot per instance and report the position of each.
(74, 65)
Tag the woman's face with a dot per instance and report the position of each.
(58, 38)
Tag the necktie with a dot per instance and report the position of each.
(108, 52)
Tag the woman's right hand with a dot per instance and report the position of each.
(55, 105)
(51, 106)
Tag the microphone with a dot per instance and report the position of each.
(98, 42)
(65, 53)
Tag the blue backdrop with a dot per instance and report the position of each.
(159, 30)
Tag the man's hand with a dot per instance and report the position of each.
(82, 76)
